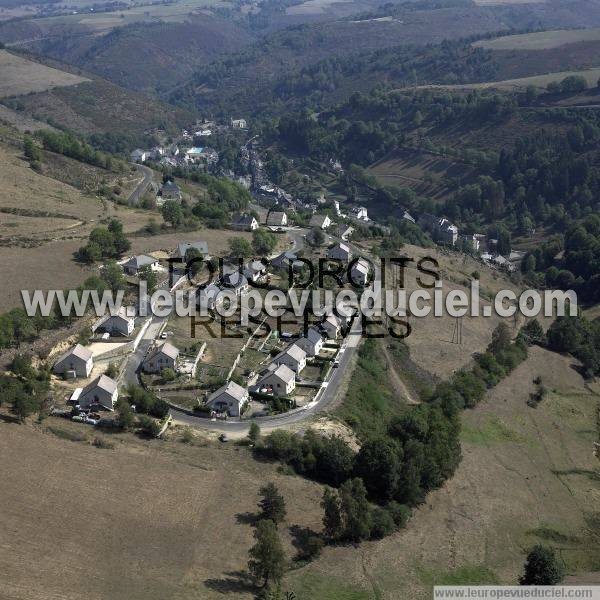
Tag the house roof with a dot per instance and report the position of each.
(319, 220)
(276, 216)
(341, 246)
(78, 351)
(201, 246)
(243, 219)
(166, 349)
(283, 372)
(232, 389)
(284, 258)
(361, 265)
(170, 186)
(235, 279)
(313, 335)
(333, 320)
(295, 352)
(103, 382)
(141, 260)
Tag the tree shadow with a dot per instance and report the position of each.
(234, 581)
(303, 539)
(247, 518)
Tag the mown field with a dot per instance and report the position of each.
(540, 40)
(21, 76)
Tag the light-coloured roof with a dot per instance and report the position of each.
(283, 372)
(78, 351)
(295, 352)
(331, 318)
(103, 382)
(165, 348)
(140, 260)
(201, 246)
(361, 265)
(232, 389)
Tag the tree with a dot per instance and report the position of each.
(501, 340)
(263, 241)
(111, 370)
(112, 275)
(332, 516)
(378, 464)
(31, 151)
(150, 277)
(254, 432)
(172, 213)
(272, 504)
(168, 374)
(542, 567)
(356, 510)
(317, 236)
(148, 425)
(24, 404)
(125, 414)
(239, 247)
(267, 558)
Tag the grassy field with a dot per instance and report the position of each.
(527, 476)
(144, 520)
(540, 81)
(540, 40)
(21, 76)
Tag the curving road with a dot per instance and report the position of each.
(142, 186)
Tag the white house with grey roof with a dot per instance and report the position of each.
(293, 356)
(359, 272)
(311, 343)
(244, 222)
(332, 326)
(229, 398)
(340, 251)
(200, 245)
(236, 282)
(280, 381)
(210, 297)
(76, 362)
(120, 323)
(100, 392)
(320, 221)
(277, 219)
(255, 270)
(170, 191)
(133, 264)
(161, 357)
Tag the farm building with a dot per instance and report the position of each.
(277, 219)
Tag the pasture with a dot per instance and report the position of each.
(21, 76)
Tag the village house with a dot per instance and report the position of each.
(320, 221)
(100, 392)
(170, 191)
(312, 342)
(471, 241)
(244, 222)
(277, 219)
(239, 124)
(280, 381)
(230, 398)
(161, 357)
(340, 251)
(440, 229)
(360, 213)
(120, 323)
(343, 231)
(139, 156)
(209, 297)
(285, 259)
(359, 272)
(235, 281)
(76, 362)
(255, 271)
(182, 248)
(332, 326)
(133, 264)
(293, 356)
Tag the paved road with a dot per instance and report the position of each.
(142, 186)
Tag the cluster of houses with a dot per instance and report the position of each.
(280, 376)
(174, 156)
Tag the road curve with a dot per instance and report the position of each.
(142, 186)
